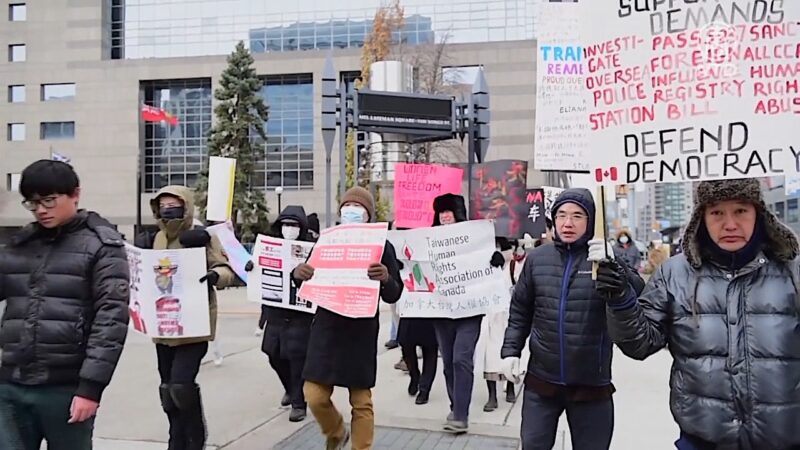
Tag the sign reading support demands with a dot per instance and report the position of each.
(684, 91)
(270, 281)
(447, 273)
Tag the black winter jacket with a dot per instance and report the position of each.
(66, 316)
(555, 302)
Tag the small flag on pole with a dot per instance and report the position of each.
(153, 114)
(55, 156)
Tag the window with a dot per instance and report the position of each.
(117, 29)
(60, 91)
(779, 211)
(58, 130)
(792, 213)
(175, 154)
(16, 53)
(288, 159)
(16, 93)
(16, 132)
(17, 12)
(12, 182)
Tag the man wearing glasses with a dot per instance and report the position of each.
(563, 309)
(65, 282)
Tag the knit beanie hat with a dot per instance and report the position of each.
(363, 197)
(781, 242)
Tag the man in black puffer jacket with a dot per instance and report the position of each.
(65, 280)
(563, 310)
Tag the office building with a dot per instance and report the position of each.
(77, 72)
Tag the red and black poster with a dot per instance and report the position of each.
(499, 191)
(535, 224)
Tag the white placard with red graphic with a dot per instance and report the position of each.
(270, 281)
(340, 260)
(446, 271)
(686, 91)
(167, 299)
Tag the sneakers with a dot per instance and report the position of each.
(391, 344)
(456, 426)
(259, 332)
(401, 365)
(338, 444)
(218, 361)
(286, 400)
(297, 415)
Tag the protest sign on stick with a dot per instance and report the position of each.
(270, 281)
(167, 299)
(446, 271)
(234, 250)
(499, 195)
(415, 188)
(341, 258)
(535, 225)
(221, 176)
(696, 91)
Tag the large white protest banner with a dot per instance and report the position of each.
(687, 90)
(167, 298)
(270, 281)
(447, 273)
(561, 126)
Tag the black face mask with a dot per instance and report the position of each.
(175, 212)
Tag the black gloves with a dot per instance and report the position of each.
(211, 277)
(194, 238)
(249, 266)
(611, 279)
(497, 260)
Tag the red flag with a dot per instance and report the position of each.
(153, 114)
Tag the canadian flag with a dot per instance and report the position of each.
(153, 114)
(601, 174)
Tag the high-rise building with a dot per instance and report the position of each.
(77, 73)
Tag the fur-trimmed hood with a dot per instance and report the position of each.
(449, 202)
(781, 243)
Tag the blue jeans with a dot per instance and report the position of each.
(591, 424)
(457, 340)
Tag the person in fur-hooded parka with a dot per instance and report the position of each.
(727, 309)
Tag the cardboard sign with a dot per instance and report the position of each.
(237, 254)
(167, 299)
(696, 91)
(447, 272)
(415, 188)
(499, 189)
(221, 175)
(270, 281)
(341, 258)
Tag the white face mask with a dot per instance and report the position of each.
(290, 232)
(353, 214)
(624, 239)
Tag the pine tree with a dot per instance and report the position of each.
(240, 115)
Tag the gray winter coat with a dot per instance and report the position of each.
(734, 338)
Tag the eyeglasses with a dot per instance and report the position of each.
(47, 202)
(575, 218)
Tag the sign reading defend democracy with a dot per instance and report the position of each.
(446, 271)
(341, 258)
(415, 188)
(682, 90)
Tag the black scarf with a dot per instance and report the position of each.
(733, 260)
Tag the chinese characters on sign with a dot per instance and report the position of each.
(270, 281)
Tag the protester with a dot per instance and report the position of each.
(65, 281)
(413, 333)
(458, 338)
(728, 310)
(313, 227)
(287, 331)
(179, 359)
(656, 255)
(343, 351)
(558, 304)
(627, 251)
(493, 330)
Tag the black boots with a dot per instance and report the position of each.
(511, 395)
(176, 438)
(184, 408)
(491, 405)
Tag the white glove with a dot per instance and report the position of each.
(511, 369)
(598, 249)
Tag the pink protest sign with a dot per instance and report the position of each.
(340, 260)
(415, 187)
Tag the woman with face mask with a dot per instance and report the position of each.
(627, 251)
(286, 331)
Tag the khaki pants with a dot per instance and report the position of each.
(330, 420)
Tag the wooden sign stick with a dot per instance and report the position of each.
(600, 231)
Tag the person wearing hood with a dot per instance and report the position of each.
(728, 310)
(179, 359)
(458, 338)
(343, 351)
(558, 304)
(313, 227)
(627, 251)
(287, 331)
(65, 281)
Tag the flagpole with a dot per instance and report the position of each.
(140, 172)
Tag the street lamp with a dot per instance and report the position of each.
(279, 191)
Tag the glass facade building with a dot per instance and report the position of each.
(175, 154)
(178, 28)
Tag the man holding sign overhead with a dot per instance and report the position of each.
(563, 309)
(343, 351)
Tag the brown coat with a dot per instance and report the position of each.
(215, 255)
